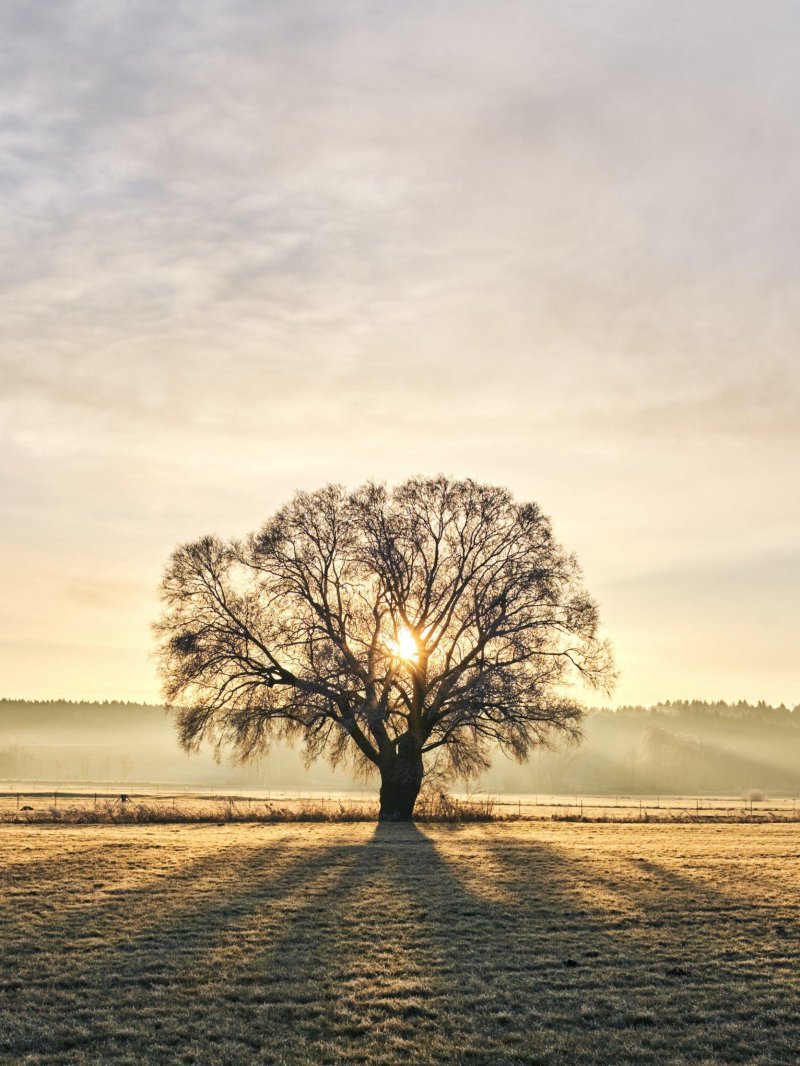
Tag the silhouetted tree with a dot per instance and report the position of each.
(407, 628)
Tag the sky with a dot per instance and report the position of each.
(248, 248)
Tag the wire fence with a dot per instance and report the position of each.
(29, 800)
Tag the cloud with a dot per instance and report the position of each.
(250, 247)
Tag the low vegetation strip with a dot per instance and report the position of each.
(437, 807)
(498, 943)
(126, 810)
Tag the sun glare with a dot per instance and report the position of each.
(405, 646)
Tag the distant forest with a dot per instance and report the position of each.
(682, 747)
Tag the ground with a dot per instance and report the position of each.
(516, 943)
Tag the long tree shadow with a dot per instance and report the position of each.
(563, 954)
(655, 960)
(416, 945)
(34, 874)
(86, 975)
(90, 889)
(412, 965)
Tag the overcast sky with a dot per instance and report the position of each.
(252, 247)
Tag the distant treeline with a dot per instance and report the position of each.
(741, 711)
(78, 715)
(690, 747)
(682, 746)
(66, 740)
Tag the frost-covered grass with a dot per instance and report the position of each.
(351, 943)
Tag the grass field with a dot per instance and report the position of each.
(498, 943)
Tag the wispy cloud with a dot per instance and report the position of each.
(248, 247)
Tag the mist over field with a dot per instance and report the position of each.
(670, 748)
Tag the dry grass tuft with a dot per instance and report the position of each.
(432, 807)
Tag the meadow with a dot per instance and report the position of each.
(519, 942)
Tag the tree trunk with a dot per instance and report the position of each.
(401, 779)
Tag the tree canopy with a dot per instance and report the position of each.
(410, 629)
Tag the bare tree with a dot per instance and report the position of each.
(408, 628)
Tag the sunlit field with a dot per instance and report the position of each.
(500, 943)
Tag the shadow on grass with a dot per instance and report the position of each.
(406, 945)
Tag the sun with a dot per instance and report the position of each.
(405, 647)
